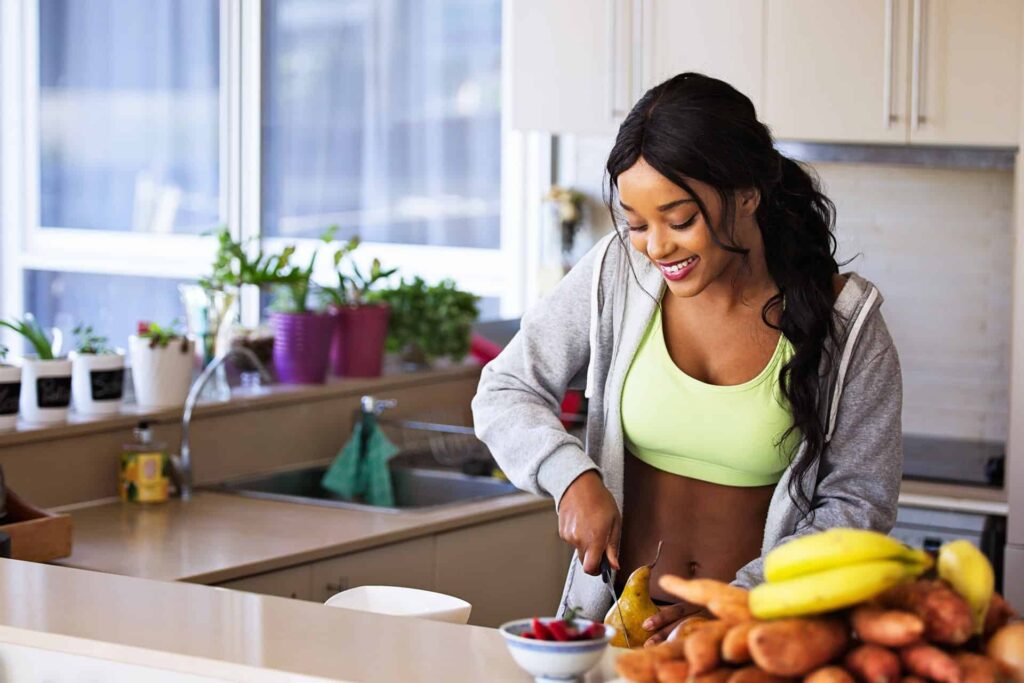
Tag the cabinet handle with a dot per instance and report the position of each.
(611, 39)
(888, 117)
(342, 585)
(916, 78)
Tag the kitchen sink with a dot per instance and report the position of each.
(415, 489)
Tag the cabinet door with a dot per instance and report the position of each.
(837, 70)
(409, 564)
(570, 63)
(723, 39)
(286, 583)
(510, 569)
(967, 88)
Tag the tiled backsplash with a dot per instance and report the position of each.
(938, 244)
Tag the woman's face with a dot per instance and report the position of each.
(666, 225)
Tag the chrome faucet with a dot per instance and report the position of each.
(183, 463)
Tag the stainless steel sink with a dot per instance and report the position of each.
(416, 489)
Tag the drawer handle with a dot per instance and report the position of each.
(342, 585)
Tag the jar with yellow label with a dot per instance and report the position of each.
(145, 469)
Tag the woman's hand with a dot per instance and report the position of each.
(668, 620)
(589, 521)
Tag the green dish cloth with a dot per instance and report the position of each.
(369, 477)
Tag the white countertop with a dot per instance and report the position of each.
(207, 631)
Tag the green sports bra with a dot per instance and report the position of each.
(721, 434)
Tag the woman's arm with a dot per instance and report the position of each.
(861, 468)
(516, 409)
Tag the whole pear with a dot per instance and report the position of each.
(635, 606)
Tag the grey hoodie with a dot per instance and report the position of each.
(594, 320)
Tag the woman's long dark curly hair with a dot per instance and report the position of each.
(693, 127)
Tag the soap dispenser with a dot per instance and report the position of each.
(145, 468)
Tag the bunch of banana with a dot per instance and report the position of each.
(832, 569)
(970, 574)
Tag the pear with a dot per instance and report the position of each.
(635, 607)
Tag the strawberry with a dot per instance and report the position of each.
(528, 634)
(561, 631)
(593, 632)
(541, 631)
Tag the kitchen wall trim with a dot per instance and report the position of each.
(975, 158)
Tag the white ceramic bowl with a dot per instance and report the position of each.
(403, 602)
(548, 660)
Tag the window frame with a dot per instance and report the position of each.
(27, 245)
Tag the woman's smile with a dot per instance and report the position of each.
(677, 270)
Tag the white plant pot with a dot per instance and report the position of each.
(45, 390)
(161, 375)
(97, 382)
(10, 395)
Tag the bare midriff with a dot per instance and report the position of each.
(707, 530)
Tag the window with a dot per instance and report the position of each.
(133, 128)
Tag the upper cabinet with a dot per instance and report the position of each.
(721, 39)
(578, 66)
(943, 72)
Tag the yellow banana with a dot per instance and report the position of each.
(830, 589)
(970, 574)
(837, 548)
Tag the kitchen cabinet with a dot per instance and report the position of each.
(723, 39)
(507, 570)
(578, 66)
(294, 582)
(409, 564)
(939, 72)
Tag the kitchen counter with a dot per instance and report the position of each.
(217, 537)
(203, 631)
(961, 498)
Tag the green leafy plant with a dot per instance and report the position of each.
(233, 266)
(431, 320)
(353, 289)
(3, 354)
(294, 282)
(88, 342)
(29, 328)
(162, 335)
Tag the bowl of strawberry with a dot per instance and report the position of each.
(556, 649)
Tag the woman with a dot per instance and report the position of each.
(742, 392)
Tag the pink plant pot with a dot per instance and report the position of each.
(357, 348)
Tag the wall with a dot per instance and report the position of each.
(938, 243)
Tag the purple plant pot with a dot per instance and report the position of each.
(301, 345)
(357, 349)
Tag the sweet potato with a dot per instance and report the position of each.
(703, 647)
(998, 615)
(872, 663)
(913, 679)
(730, 610)
(676, 671)
(796, 647)
(735, 649)
(667, 651)
(702, 591)
(976, 668)
(752, 674)
(829, 674)
(892, 628)
(928, 661)
(946, 615)
(686, 627)
(720, 675)
(637, 666)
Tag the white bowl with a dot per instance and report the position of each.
(548, 660)
(403, 602)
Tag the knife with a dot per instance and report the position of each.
(606, 576)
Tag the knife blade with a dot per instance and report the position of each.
(606, 576)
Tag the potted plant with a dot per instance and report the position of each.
(97, 374)
(361, 326)
(428, 322)
(45, 377)
(302, 336)
(161, 359)
(10, 392)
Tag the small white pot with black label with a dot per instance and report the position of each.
(45, 390)
(97, 382)
(10, 396)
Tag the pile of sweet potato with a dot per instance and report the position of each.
(914, 632)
